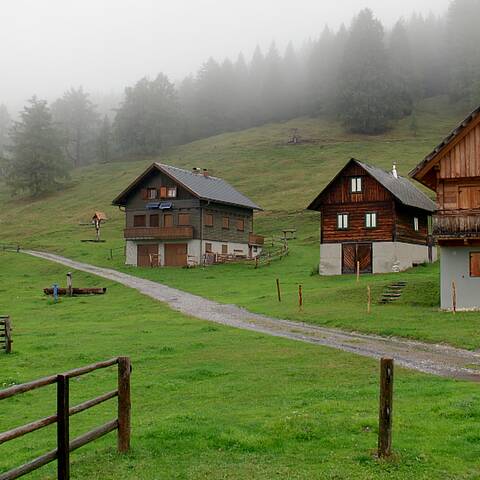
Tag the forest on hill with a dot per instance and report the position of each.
(365, 76)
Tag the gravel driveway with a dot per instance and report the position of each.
(430, 358)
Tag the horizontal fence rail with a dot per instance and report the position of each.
(6, 333)
(64, 412)
(4, 247)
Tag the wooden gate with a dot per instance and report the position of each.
(356, 252)
(175, 254)
(144, 253)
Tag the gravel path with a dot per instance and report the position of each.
(430, 358)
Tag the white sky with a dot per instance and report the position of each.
(47, 46)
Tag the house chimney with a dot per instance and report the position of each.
(195, 170)
(394, 170)
(205, 172)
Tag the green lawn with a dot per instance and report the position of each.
(215, 402)
(283, 179)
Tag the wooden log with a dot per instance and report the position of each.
(278, 291)
(76, 291)
(124, 404)
(90, 368)
(63, 430)
(28, 428)
(27, 387)
(92, 403)
(385, 408)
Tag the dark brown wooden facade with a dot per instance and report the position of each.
(394, 221)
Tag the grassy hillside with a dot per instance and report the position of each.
(283, 179)
(213, 402)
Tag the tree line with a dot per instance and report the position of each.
(364, 76)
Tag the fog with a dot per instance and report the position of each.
(104, 45)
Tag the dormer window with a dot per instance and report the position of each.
(172, 192)
(356, 184)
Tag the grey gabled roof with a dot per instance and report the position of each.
(208, 188)
(401, 188)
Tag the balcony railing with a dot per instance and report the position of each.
(159, 233)
(254, 239)
(457, 224)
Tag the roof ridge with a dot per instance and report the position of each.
(188, 171)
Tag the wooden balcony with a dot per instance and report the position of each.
(254, 239)
(158, 233)
(456, 224)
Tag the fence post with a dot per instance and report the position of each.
(358, 271)
(369, 299)
(69, 284)
(385, 410)
(124, 404)
(8, 335)
(278, 291)
(454, 297)
(300, 297)
(63, 434)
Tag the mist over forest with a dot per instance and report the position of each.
(362, 74)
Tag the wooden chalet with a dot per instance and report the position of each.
(373, 218)
(177, 217)
(452, 170)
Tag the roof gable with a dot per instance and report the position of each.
(448, 143)
(208, 188)
(401, 188)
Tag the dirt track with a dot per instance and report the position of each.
(430, 358)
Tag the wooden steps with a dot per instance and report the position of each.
(392, 292)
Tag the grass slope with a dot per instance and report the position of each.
(218, 403)
(283, 179)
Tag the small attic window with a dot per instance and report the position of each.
(172, 192)
(356, 184)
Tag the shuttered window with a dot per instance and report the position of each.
(342, 221)
(139, 220)
(356, 185)
(168, 220)
(475, 264)
(154, 219)
(208, 220)
(415, 223)
(163, 192)
(371, 220)
(184, 219)
(226, 223)
(240, 224)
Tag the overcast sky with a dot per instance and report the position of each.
(48, 46)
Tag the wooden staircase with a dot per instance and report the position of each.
(392, 292)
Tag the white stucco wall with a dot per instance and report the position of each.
(330, 259)
(130, 253)
(455, 267)
(387, 257)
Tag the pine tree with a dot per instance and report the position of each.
(5, 123)
(366, 97)
(104, 142)
(78, 122)
(37, 163)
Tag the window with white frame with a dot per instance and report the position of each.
(415, 223)
(342, 221)
(172, 192)
(371, 220)
(356, 184)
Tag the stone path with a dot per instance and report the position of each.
(430, 358)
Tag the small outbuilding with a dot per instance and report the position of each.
(373, 219)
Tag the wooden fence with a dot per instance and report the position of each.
(6, 333)
(64, 412)
(4, 247)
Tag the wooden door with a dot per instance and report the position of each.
(175, 254)
(144, 252)
(468, 197)
(356, 252)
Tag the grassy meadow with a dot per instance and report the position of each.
(218, 403)
(283, 179)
